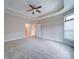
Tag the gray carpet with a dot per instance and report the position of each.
(37, 49)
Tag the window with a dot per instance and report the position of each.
(69, 27)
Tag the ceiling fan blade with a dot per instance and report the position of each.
(38, 7)
(31, 6)
(33, 13)
(29, 10)
(38, 11)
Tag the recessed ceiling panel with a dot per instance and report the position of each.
(48, 6)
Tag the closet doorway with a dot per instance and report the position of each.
(30, 30)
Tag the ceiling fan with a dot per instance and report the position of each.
(34, 8)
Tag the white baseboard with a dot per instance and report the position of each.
(60, 41)
(13, 36)
(48, 38)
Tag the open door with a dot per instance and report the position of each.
(33, 31)
(27, 31)
(30, 30)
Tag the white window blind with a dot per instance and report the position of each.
(69, 27)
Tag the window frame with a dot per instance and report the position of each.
(67, 16)
(72, 19)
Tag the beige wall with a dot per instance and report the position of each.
(52, 28)
(14, 26)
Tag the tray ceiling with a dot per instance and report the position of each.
(48, 6)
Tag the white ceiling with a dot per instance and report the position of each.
(48, 6)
